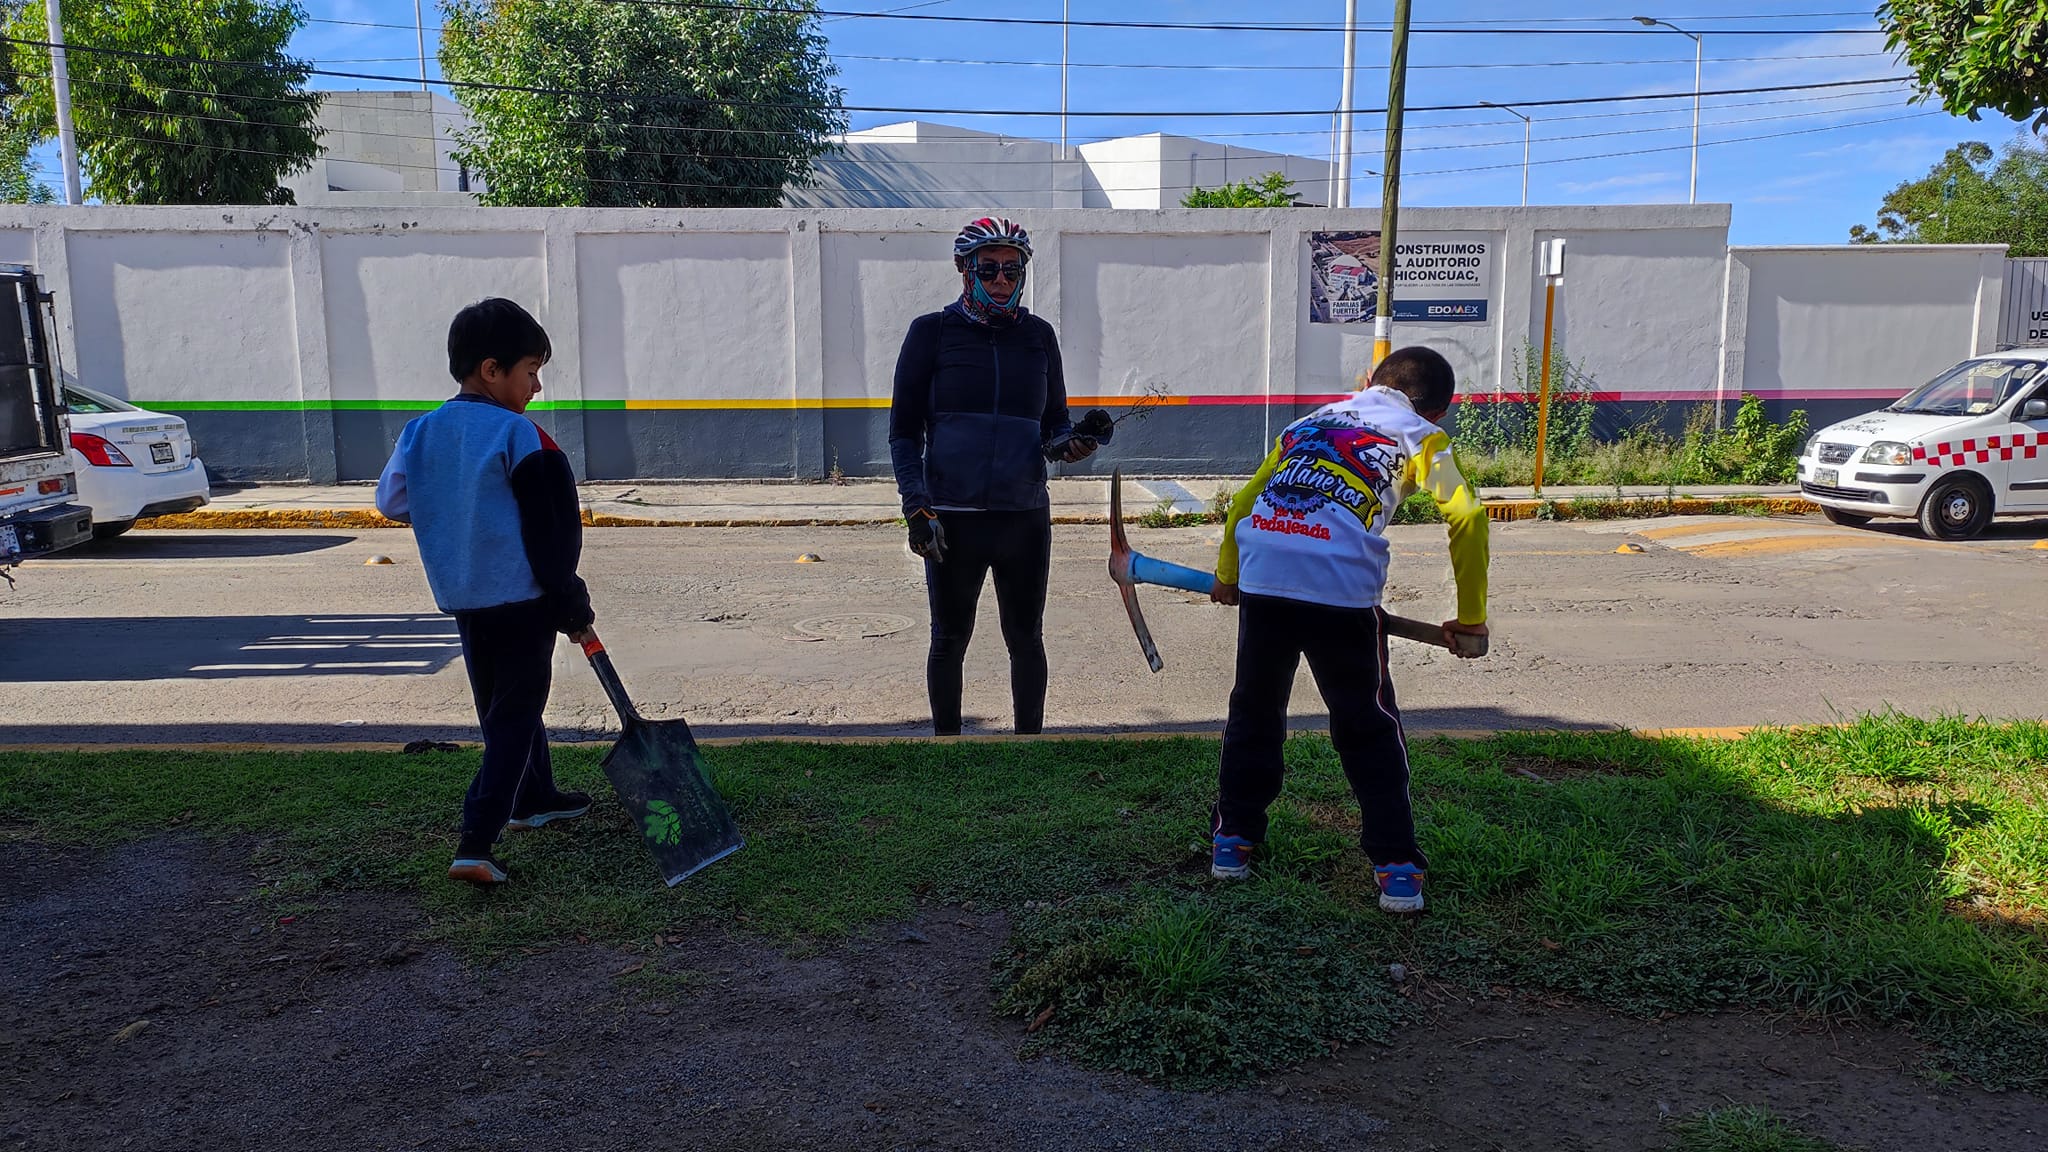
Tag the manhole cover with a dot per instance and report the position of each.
(854, 626)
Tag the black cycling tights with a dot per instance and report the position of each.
(1018, 547)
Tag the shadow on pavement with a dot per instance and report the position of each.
(224, 647)
(1421, 724)
(184, 545)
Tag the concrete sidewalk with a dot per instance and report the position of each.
(856, 502)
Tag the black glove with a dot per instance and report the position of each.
(927, 535)
(1096, 426)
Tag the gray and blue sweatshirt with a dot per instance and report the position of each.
(492, 502)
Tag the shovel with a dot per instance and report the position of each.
(659, 776)
(1130, 569)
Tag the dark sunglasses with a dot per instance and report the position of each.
(1011, 271)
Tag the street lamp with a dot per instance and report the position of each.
(1526, 124)
(1699, 48)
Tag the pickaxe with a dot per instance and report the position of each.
(1130, 569)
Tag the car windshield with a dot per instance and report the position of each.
(1971, 388)
(92, 403)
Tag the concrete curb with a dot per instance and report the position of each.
(1583, 508)
(1414, 735)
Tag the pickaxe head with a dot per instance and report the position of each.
(1120, 570)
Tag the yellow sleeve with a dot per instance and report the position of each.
(1241, 507)
(1436, 472)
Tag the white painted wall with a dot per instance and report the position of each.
(390, 293)
(806, 309)
(1180, 314)
(1639, 310)
(184, 315)
(1858, 321)
(648, 301)
(878, 282)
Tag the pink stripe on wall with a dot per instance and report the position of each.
(1306, 399)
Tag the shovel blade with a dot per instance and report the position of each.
(659, 776)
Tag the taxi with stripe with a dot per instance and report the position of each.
(1968, 445)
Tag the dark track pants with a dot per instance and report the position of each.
(1347, 652)
(509, 653)
(1017, 547)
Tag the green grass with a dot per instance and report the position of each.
(1894, 871)
(1743, 1129)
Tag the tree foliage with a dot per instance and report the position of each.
(583, 102)
(1967, 199)
(1273, 190)
(161, 114)
(1975, 54)
(18, 182)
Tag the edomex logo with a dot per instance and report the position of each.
(1327, 461)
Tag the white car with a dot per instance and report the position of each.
(1968, 445)
(131, 462)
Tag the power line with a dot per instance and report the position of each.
(1338, 67)
(917, 111)
(977, 139)
(1162, 187)
(982, 141)
(1436, 28)
(1683, 147)
(854, 162)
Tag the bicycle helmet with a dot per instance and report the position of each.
(989, 232)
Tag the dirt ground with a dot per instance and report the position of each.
(150, 1001)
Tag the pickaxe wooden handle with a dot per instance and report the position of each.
(1130, 569)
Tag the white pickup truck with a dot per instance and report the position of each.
(37, 512)
(1966, 446)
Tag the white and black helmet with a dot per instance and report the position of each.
(989, 232)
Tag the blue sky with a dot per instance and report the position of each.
(1834, 155)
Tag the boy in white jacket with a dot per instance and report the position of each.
(1305, 557)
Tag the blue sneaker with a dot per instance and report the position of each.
(1232, 858)
(1400, 887)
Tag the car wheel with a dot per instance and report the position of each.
(1845, 519)
(1956, 509)
(110, 529)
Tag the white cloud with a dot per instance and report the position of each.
(1626, 180)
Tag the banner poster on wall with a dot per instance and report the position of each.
(1439, 277)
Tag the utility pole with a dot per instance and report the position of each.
(1344, 102)
(1066, 11)
(419, 24)
(1390, 195)
(60, 88)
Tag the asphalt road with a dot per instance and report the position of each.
(289, 636)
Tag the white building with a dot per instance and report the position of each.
(386, 149)
(917, 164)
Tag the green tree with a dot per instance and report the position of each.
(161, 114)
(621, 104)
(1273, 190)
(1975, 54)
(18, 182)
(1967, 199)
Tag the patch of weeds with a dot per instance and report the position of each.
(1419, 508)
(1197, 988)
(1743, 1129)
(1162, 515)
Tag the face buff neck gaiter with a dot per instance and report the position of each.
(981, 307)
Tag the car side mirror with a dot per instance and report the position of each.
(2034, 410)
